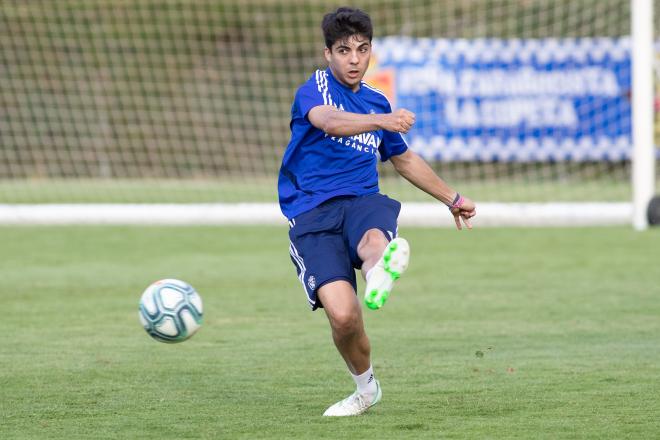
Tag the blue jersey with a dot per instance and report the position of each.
(316, 166)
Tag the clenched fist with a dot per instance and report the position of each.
(399, 121)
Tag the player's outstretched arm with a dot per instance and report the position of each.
(420, 174)
(340, 123)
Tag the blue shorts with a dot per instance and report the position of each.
(324, 240)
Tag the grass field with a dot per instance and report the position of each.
(264, 189)
(493, 333)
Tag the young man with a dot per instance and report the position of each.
(328, 189)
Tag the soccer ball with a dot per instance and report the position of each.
(170, 310)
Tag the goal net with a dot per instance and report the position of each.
(187, 102)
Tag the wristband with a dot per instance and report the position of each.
(457, 203)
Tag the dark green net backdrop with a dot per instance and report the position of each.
(188, 100)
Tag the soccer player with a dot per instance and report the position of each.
(328, 189)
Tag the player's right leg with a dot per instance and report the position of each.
(323, 264)
(345, 316)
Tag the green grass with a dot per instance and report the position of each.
(263, 189)
(493, 333)
(237, 190)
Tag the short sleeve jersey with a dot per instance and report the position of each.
(316, 166)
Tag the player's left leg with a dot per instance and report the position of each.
(371, 248)
(371, 224)
(383, 265)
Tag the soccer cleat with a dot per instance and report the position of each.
(389, 268)
(354, 405)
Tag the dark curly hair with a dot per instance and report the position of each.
(344, 22)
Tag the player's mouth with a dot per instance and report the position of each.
(354, 73)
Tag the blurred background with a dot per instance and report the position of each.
(184, 101)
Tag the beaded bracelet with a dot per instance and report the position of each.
(457, 203)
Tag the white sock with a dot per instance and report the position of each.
(366, 382)
(369, 273)
(372, 270)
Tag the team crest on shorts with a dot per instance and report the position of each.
(311, 282)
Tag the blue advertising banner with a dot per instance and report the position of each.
(510, 100)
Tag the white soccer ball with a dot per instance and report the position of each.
(170, 310)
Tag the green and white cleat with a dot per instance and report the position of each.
(389, 268)
(354, 405)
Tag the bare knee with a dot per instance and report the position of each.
(346, 323)
(373, 241)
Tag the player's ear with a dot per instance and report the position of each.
(327, 52)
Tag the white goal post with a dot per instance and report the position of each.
(643, 173)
